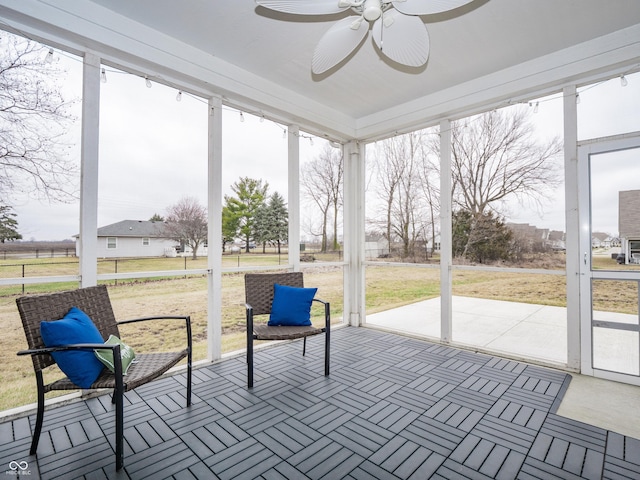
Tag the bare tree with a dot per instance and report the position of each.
(495, 157)
(186, 222)
(321, 181)
(429, 172)
(34, 118)
(398, 168)
(389, 170)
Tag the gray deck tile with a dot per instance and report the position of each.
(353, 400)
(414, 400)
(392, 408)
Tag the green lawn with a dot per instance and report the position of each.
(386, 287)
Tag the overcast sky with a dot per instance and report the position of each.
(153, 151)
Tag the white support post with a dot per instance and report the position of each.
(89, 171)
(572, 220)
(293, 200)
(214, 207)
(446, 250)
(354, 274)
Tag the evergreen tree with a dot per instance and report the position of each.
(272, 222)
(481, 237)
(241, 209)
(8, 225)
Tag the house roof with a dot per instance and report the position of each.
(485, 54)
(133, 228)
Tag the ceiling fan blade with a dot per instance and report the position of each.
(340, 40)
(307, 7)
(427, 7)
(402, 38)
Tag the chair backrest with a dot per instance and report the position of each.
(94, 301)
(258, 288)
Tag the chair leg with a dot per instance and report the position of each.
(249, 348)
(189, 360)
(189, 375)
(39, 414)
(118, 394)
(250, 361)
(326, 353)
(327, 338)
(119, 428)
(304, 346)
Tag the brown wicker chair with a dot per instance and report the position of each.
(258, 296)
(94, 301)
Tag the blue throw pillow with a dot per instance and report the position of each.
(82, 367)
(291, 306)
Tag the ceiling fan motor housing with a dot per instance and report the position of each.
(371, 10)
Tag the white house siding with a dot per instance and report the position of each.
(133, 247)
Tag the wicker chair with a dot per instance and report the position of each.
(259, 296)
(94, 301)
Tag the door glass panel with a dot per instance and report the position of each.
(615, 210)
(616, 326)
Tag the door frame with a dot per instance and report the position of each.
(586, 149)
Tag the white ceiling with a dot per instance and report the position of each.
(486, 52)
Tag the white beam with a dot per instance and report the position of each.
(293, 200)
(572, 220)
(354, 274)
(446, 250)
(214, 208)
(89, 153)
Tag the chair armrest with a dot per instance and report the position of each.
(117, 359)
(75, 346)
(327, 312)
(187, 320)
(159, 317)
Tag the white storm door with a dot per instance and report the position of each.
(609, 206)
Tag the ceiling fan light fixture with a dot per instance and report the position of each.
(371, 10)
(406, 40)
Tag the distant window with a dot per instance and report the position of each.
(111, 242)
(146, 242)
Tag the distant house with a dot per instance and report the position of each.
(600, 240)
(557, 240)
(376, 246)
(629, 224)
(531, 238)
(133, 238)
(431, 247)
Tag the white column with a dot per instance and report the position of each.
(572, 221)
(446, 255)
(214, 208)
(293, 196)
(89, 171)
(354, 274)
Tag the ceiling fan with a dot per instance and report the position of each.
(397, 30)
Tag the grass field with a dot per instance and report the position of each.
(386, 287)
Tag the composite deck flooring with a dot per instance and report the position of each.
(393, 407)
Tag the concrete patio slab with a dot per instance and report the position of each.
(521, 329)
